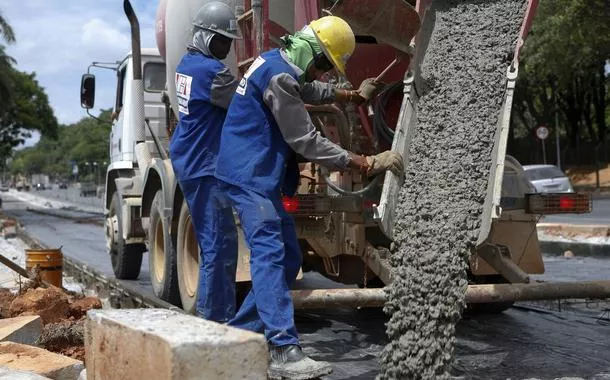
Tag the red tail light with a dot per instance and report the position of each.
(291, 205)
(572, 203)
(567, 203)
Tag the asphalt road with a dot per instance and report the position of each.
(518, 344)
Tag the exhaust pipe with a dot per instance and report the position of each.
(355, 298)
(136, 119)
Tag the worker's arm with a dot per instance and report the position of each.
(283, 98)
(223, 88)
(318, 92)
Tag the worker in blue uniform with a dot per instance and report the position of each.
(205, 86)
(266, 124)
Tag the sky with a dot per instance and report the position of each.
(58, 39)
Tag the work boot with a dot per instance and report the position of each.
(289, 362)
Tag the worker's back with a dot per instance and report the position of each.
(194, 145)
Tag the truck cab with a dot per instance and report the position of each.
(122, 141)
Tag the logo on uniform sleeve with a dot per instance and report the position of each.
(243, 83)
(183, 91)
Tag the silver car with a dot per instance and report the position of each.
(548, 179)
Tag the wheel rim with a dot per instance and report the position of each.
(111, 231)
(190, 255)
(158, 252)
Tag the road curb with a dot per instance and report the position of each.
(556, 238)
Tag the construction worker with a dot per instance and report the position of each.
(266, 124)
(204, 87)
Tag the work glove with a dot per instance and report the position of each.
(388, 160)
(369, 88)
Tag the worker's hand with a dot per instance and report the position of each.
(369, 88)
(388, 160)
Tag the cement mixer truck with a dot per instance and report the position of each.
(345, 221)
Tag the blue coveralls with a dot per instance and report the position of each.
(254, 162)
(193, 150)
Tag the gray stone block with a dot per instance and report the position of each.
(24, 329)
(14, 374)
(163, 344)
(38, 360)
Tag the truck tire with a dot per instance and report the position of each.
(162, 255)
(188, 253)
(126, 259)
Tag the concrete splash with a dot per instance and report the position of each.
(442, 200)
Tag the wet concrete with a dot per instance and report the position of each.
(438, 217)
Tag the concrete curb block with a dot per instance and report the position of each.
(24, 329)
(582, 240)
(40, 361)
(164, 344)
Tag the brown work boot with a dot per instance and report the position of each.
(289, 362)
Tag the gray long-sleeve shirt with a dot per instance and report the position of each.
(286, 100)
(223, 88)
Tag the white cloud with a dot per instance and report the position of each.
(101, 37)
(58, 39)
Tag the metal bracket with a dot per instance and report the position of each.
(498, 257)
(377, 260)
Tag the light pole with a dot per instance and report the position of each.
(105, 170)
(97, 173)
(87, 168)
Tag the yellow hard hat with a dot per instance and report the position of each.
(336, 39)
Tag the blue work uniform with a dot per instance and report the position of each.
(266, 124)
(204, 87)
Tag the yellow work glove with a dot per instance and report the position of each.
(383, 161)
(369, 88)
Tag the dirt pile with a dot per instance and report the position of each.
(66, 338)
(6, 297)
(62, 316)
(449, 164)
(51, 304)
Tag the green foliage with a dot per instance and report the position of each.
(83, 142)
(24, 106)
(27, 110)
(6, 32)
(6, 62)
(563, 74)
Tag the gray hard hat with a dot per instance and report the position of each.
(217, 17)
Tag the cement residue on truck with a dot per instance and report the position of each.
(449, 164)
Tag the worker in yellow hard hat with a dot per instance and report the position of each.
(266, 126)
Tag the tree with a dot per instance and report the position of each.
(27, 110)
(81, 142)
(564, 70)
(6, 32)
(6, 62)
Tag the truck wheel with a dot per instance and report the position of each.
(162, 255)
(188, 261)
(126, 258)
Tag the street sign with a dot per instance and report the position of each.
(542, 132)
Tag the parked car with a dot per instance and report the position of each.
(63, 185)
(4, 188)
(88, 189)
(548, 179)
